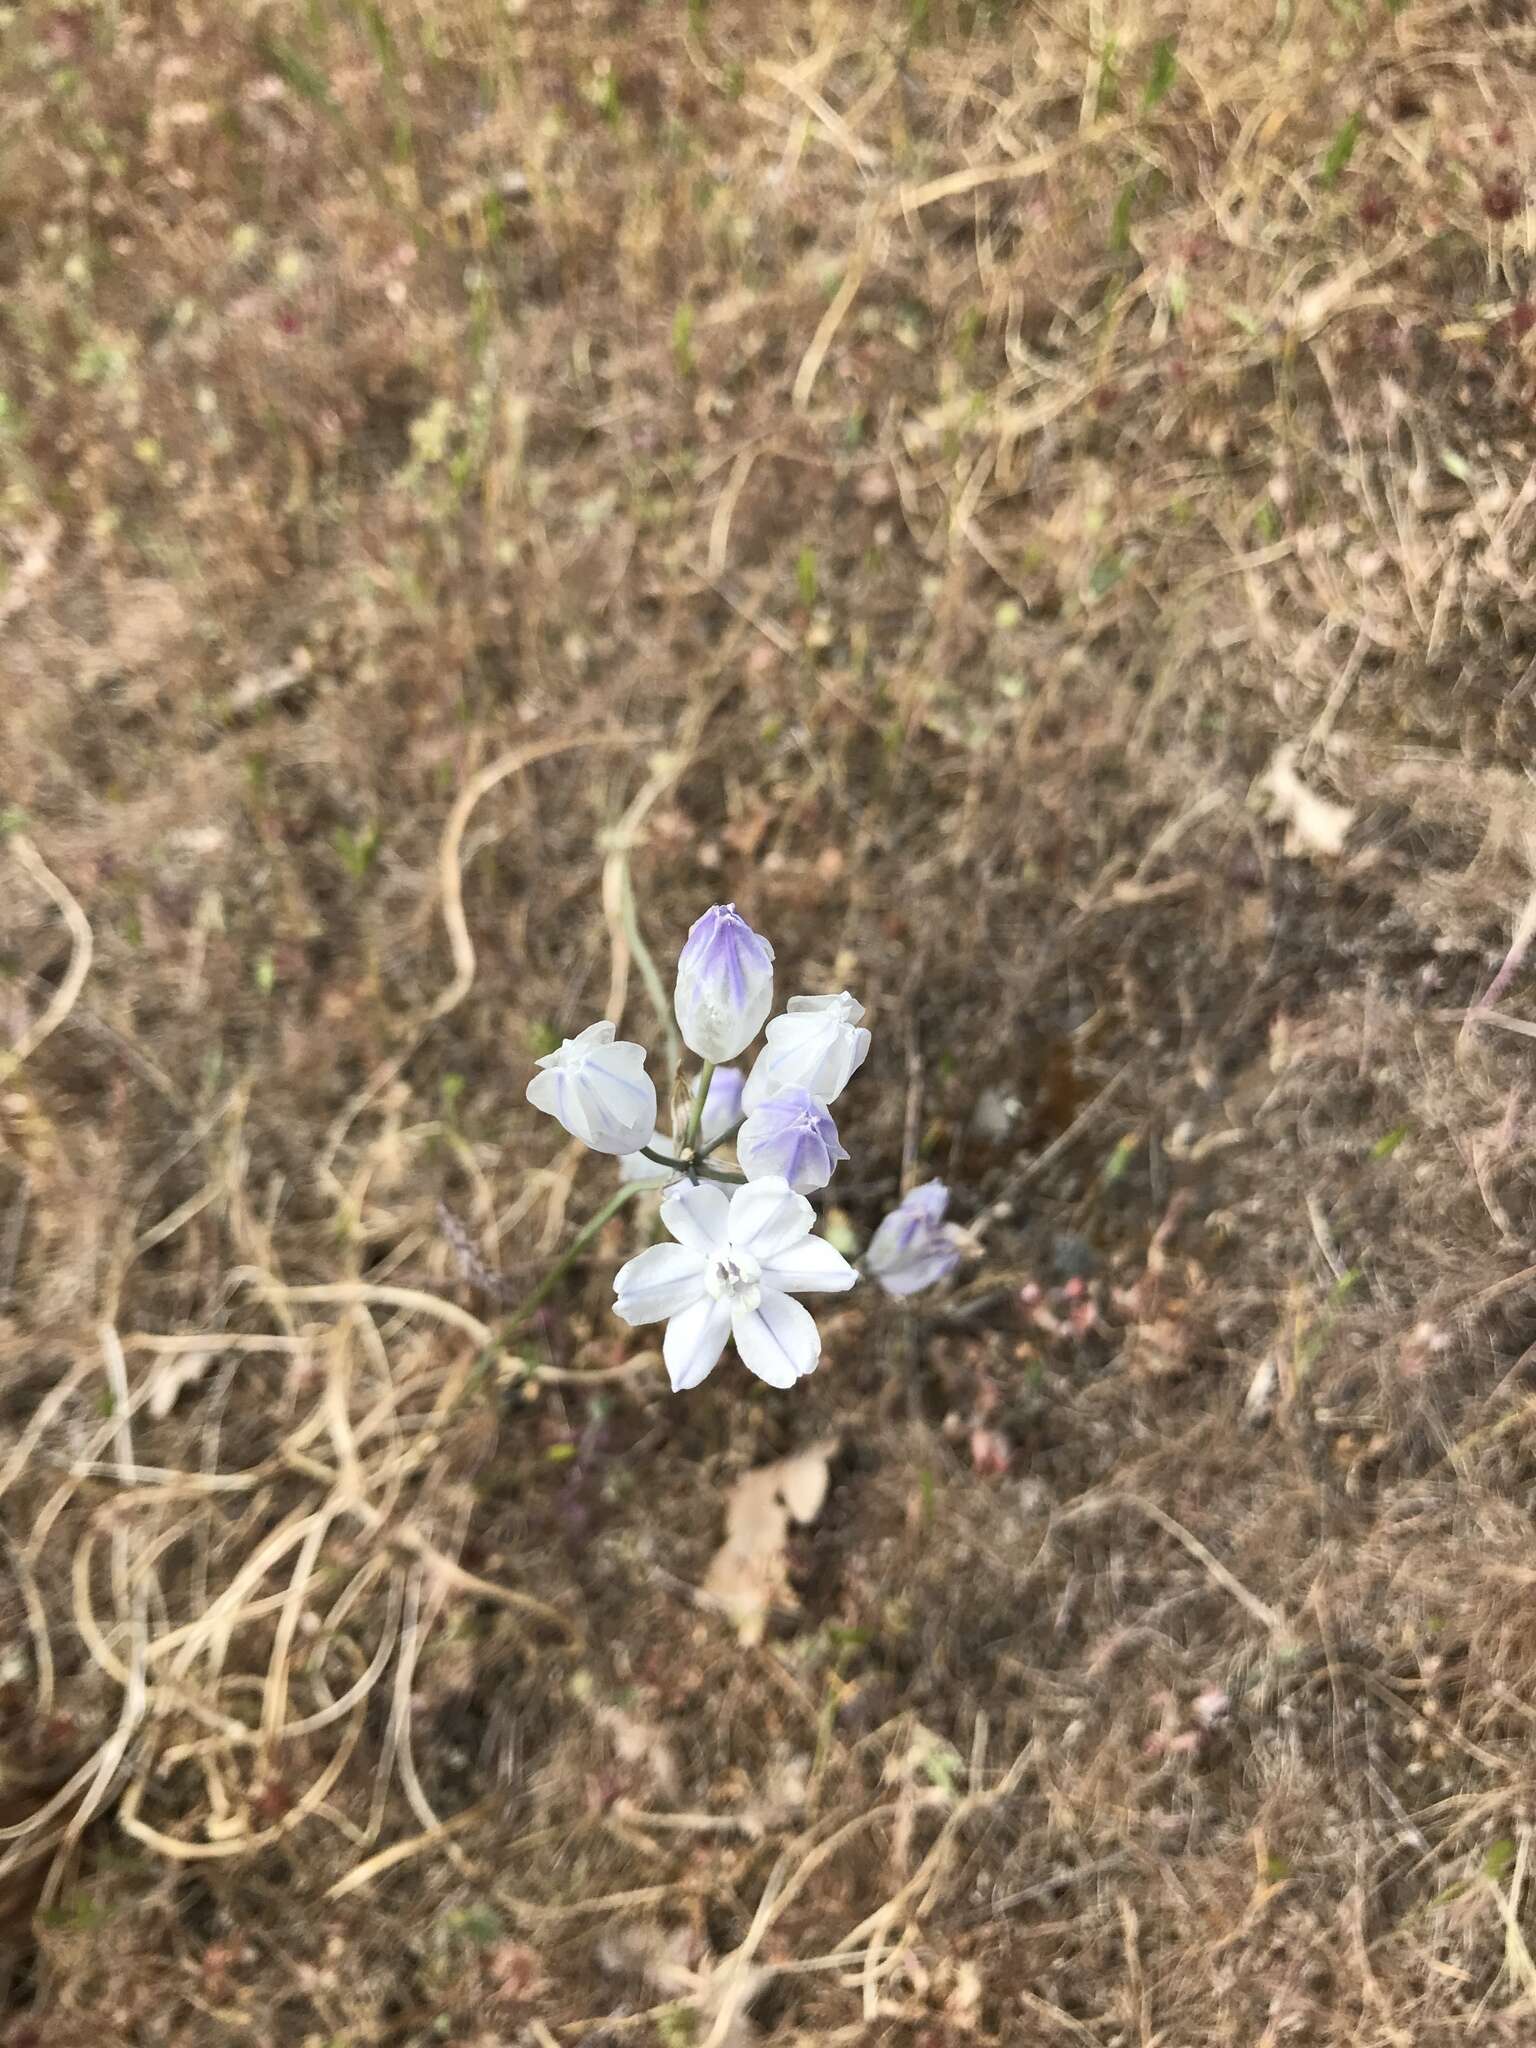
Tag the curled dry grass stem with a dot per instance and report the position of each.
(1266, 1616)
(36, 1614)
(461, 946)
(431, 1838)
(170, 1670)
(82, 946)
(178, 1669)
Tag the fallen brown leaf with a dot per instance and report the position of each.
(748, 1573)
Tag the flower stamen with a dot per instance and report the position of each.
(735, 1276)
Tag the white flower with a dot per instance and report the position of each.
(818, 1045)
(597, 1087)
(791, 1135)
(731, 1273)
(722, 1109)
(724, 984)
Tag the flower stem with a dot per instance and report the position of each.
(706, 1075)
(646, 965)
(693, 1168)
(724, 1138)
(578, 1243)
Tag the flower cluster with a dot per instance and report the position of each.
(743, 1239)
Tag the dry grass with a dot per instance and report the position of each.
(480, 481)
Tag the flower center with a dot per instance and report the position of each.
(735, 1277)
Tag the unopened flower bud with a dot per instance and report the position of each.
(818, 1045)
(914, 1247)
(597, 1087)
(791, 1134)
(724, 984)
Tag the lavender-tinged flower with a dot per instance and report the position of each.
(793, 1136)
(731, 1273)
(724, 984)
(818, 1045)
(722, 1105)
(914, 1246)
(722, 1109)
(597, 1087)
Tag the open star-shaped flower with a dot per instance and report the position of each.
(733, 1272)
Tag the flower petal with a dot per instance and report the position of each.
(860, 1052)
(600, 1033)
(696, 1216)
(849, 1009)
(621, 1066)
(768, 1217)
(544, 1092)
(694, 1342)
(635, 1165)
(618, 1099)
(663, 1281)
(810, 1267)
(778, 1340)
(722, 1105)
(924, 1266)
(928, 1201)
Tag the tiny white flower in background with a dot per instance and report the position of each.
(792, 1135)
(722, 1108)
(914, 1247)
(732, 1272)
(818, 1044)
(724, 984)
(597, 1087)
